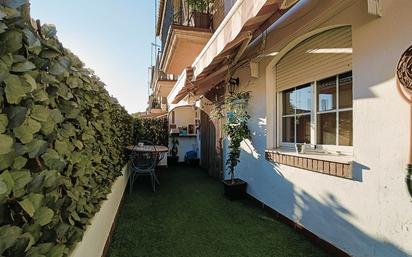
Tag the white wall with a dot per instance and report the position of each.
(186, 144)
(97, 232)
(370, 215)
(184, 116)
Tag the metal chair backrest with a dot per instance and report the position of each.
(145, 160)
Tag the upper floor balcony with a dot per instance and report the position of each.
(184, 27)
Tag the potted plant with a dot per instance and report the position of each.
(408, 179)
(173, 159)
(237, 130)
(200, 12)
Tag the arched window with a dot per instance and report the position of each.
(314, 87)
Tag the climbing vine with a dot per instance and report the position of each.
(234, 108)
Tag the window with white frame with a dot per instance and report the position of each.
(319, 112)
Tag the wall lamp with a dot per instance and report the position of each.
(232, 84)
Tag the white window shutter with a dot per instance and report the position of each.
(326, 54)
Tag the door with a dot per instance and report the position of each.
(211, 136)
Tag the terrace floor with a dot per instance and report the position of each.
(189, 216)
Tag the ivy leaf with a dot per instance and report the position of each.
(67, 130)
(40, 96)
(36, 147)
(4, 71)
(14, 89)
(6, 160)
(6, 144)
(56, 116)
(43, 216)
(8, 237)
(7, 183)
(51, 178)
(33, 42)
(53, 160)
(30, 238)
(13, 3)
(40, 113)
(62, 147)
(12, 41)
(48, 30)
(4, 121)
(27, 206)
(19, 162)
(60, 66)
(30, 80)
(49, 54)
(21, 179)
(23, 66)
(26, 131)
(57, 251)
(73, 82)
(16, 115)
(36, 200)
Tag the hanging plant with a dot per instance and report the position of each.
(234, 108)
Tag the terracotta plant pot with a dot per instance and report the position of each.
(201, 20)
(236, 190)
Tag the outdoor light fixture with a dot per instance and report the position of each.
(232, 84)
(404, 85)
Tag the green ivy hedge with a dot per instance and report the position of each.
(62, 139)
(154, 130)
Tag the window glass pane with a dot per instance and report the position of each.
(288, 130)
(326, 128)
(345, 90)
(303, 129)
(289, 102)
(303, 99)
(326, 92)
(345, 128)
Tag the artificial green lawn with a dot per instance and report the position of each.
(189, 216)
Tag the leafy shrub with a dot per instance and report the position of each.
(62, 139)
(154, 130)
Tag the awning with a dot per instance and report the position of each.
(184, 81)
(245, 21)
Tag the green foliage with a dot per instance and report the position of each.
(236, 126)
(175, 142)
(154, 130)
(199, 5)
(62, 140)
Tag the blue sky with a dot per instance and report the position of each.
(112, 37)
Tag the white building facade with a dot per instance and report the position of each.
(324, 74)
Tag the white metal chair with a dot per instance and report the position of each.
(143, 163)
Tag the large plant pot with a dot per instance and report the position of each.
(201, 20)
(172, 160)
(236, 190)
(408, 181)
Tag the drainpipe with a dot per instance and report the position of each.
(303, 6)
(404, 86)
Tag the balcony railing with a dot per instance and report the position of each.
(195, 19)
(184, 16)
(167, 77)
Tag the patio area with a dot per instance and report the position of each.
(189, 216)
